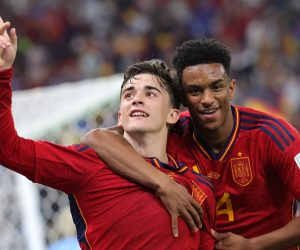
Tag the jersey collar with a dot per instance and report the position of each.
(230, 141)
(172, 165)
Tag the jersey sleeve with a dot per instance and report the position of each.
(177, 132)
(43, 162)
(284, 156)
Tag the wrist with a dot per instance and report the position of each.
(6, 72)
(162, 183)
(256, 244)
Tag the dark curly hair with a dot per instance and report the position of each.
(159, 69)
(201, 51)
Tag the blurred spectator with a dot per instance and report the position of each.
(72, 40)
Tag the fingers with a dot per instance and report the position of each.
(195, 217)
(189, 220)
(13, 36)
(198, 213)
(174, 226)
(219, 245)
(3, 26)
(6, 40)
(218, 236)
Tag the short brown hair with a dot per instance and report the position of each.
(159, 69)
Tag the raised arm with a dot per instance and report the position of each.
(120, 156)
(49, 164)
(8, 46)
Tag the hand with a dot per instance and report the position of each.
(8, 45)
(231, 241)
(179, 202)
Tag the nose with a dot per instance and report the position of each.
(138, 98)
(207, 97)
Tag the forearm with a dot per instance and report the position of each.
(121, 157)
(282, 238)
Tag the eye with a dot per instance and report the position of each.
(193, 91)
(217, 87)
(151, 94)
(128, 95)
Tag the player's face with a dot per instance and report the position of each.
(145, 106)
(207, 94)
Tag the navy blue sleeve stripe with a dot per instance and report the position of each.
(77, 219)
(208, 184)
(269, 124)
(204, 179)
(80, 147)
(267, 132)
(201, 175)
(83, 148)
(272, 119)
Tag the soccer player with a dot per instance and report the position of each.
(109, 211)
(253, 158)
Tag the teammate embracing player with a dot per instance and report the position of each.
(252, 158)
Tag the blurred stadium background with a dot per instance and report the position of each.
(67, 77)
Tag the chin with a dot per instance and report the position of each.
(209, 126)
(137, 130)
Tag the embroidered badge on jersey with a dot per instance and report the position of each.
(297, 160)
(213, 175)
(171, 175)
(198, 194)
(241, 170)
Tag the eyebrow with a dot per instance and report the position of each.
(147, 87)
(217, 81)
(211, 83)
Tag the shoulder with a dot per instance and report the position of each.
(84, 150)
(277, 129)
(183, 124)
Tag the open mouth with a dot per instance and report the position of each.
(138, 114)
(208, 111)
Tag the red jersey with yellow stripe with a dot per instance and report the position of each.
(109, 211)
(257, 175)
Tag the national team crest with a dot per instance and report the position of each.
(241, 170)
(171, 175)
(198, 194)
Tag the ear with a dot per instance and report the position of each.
(232, 85)
(173, 116)
(119, 119)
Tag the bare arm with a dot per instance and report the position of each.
(120, 156)
(282, 238)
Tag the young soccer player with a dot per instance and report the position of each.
(109, 211)
(253, 158)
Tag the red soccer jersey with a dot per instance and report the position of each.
(256, 177)
(109, 211)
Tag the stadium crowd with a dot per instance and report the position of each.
(63, 41)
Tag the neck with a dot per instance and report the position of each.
(149, 144)
(216, 139)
